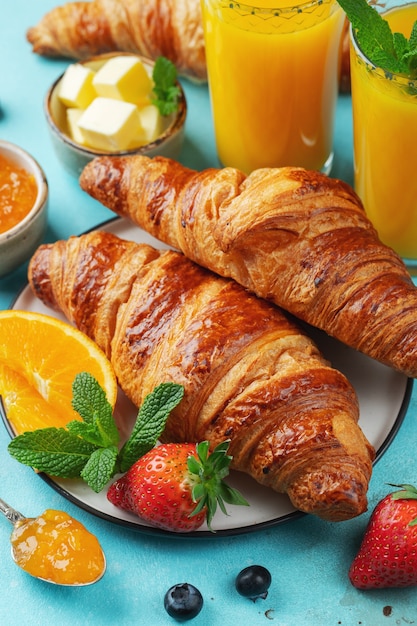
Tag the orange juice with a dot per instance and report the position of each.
(385, 143)
(273, 81)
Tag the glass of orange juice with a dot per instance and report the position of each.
(273, 81)
(384, 109)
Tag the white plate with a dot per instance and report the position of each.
(383, 397)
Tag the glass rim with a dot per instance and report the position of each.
(296, 6)
(386, 74)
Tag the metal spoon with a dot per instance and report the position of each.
(17, 519)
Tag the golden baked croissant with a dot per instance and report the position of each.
(295, 237)
(249, 374)
(172, 28)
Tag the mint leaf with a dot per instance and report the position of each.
(166, 90)
(390, 51)
(88, 432)
(150, 422)
(411, 55)
(52, 450)
(89, 448)
(89, 400)
(400, 45)
(100, 467)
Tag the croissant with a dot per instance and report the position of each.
(249, 373)
(295, 237)
(171, 28)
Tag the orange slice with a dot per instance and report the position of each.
(39, 359)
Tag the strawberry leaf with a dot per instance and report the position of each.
(209, 489)
(407, 492)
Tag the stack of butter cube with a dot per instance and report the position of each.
(110, 109)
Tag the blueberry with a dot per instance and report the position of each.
(183, 602)
(253, 582)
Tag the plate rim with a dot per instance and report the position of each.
(228, 532)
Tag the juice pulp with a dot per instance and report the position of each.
(273, 77)
(385, 145)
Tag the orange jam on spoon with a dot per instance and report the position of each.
(57, 548)
(18, 191)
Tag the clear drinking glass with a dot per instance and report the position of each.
(273, 80)
(385, 141)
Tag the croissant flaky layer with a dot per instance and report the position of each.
(250, 375)
(295, 237)
(171, 28)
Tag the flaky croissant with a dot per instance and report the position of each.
(249, 374)
(171, 28)
(295, 237)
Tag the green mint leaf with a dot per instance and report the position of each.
(166, 91)
(413, 38)
(411, 55)
(89, 400)
(375, 38)
(400, 45)
(150, 422)
(88, 432)
(52, 450)
(100, 468)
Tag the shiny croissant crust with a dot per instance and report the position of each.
(171, 28)
(295, 237)
(249, 374)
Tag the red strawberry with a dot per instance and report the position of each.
(176, 486)
(388, 553)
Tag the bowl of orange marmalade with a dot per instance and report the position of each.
(23, 206)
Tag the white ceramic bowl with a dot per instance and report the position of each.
(74, 157)
(19, 242)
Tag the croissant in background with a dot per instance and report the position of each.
(171, 28)
(249, 374)
(295, 237)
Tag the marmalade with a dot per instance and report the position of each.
(18, 191)
(58, 548)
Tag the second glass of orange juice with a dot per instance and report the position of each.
(385, 141)
(273, 80)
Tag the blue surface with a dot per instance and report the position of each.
(308, 558)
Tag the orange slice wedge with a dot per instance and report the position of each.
(39, 359)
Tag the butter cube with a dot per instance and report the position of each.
(76, 87)
(73, 116)
(124, 78)
(109, 124)
(151, 122)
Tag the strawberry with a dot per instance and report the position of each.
(387, 556)
(176, 486)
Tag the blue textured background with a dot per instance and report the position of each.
(308, 558)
